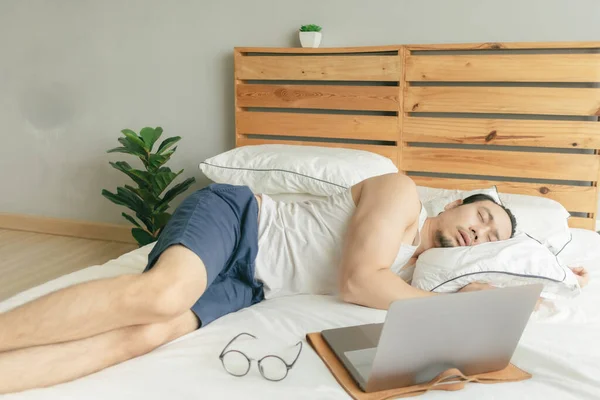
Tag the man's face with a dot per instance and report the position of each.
(472, 224)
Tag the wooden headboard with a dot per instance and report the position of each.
(522, 116)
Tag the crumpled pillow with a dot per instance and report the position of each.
(518, 261)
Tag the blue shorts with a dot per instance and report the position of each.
(220, 224)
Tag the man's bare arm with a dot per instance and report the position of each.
(388, 205)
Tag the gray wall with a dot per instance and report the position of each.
(73, 73)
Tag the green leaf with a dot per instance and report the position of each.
(133, 148)
(114, 198)
(161, 220)
(146, 195)
(161, 208)
(134, 139)
(143, 176)
(162, 180)
(119, 150)
(128, 197)
(169, 153)
(157, 160)
(134, 202)
(166, 169)
(175, 191)
(131, 219)
(119, 200)
(146, 220)
(140, 179)
(168, 143)
(150, 136)
(121, 166)
(142, 237)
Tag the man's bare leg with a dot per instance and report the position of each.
(56, 363)
(170, 288)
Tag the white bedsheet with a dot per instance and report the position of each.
(560, 347)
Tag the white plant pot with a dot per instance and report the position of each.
(310, 39)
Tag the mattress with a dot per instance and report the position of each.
(560, 347)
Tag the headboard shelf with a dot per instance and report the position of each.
(320, 50)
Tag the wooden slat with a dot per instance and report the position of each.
(505, 45)
(401, 115)
(386, 151)
(236, 55)
(596, 213)
(330, 68)
(321, 50)
(366, 127)
(582, 223)
(65, 227)
(509, 100)
(366, 98)
(504, 68)
(581, 167)
(573, 198)
(503, 132)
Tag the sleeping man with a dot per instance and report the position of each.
(226, 248)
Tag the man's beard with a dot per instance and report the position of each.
(443, 240)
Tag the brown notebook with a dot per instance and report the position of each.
(451, 379)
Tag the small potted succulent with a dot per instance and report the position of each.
(310, 35)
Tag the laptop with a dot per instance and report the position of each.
(475, 332)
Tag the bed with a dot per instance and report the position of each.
(559, 347)
(520, 116)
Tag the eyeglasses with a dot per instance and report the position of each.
(271, 367)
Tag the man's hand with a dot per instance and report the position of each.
(582, 275)
(475, 286)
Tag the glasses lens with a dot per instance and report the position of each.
(236, 363)
(273, 368)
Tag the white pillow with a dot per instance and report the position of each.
(281, 168)
(583, 247)
(517, 261)
(543, 219)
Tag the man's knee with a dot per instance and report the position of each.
(141, 339)
(160, 300)
(163, 294)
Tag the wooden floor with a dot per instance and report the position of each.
(29, 259)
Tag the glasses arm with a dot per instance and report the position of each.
(231, 341)
(297, 355)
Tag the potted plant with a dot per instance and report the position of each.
(145, 200)
(310, 35)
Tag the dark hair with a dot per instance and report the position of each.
(484, 197)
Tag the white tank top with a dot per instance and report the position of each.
(300, 245)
